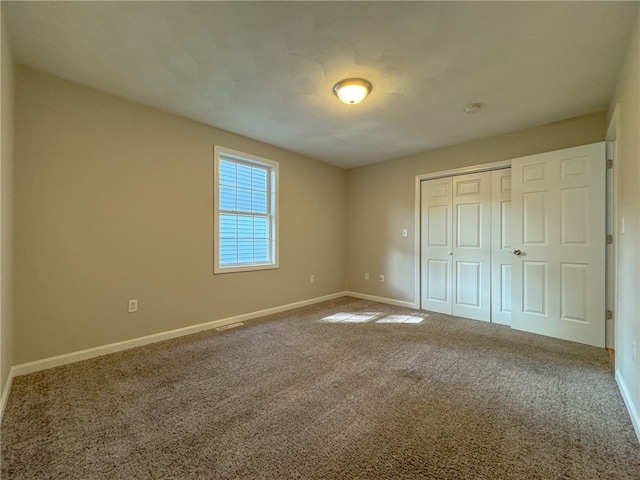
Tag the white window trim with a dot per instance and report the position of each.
(274, 207)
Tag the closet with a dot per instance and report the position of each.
(521, 245)
(465, 247)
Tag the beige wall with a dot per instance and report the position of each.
(381, 200)
(6, 212)
(625, 107)
(114, 201)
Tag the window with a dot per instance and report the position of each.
(245, 212)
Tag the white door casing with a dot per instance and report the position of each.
(436, 245)
(501, 246)
(558, 203)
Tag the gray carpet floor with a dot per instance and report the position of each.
(345, 389)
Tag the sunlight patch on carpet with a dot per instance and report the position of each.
(345, 317)
(378, 317)
(401, 319)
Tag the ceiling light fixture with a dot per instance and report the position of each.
(352, 90)
(472, 108)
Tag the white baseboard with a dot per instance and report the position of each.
(632, 408)
(5, 392)
(46, 363)
(390, 301)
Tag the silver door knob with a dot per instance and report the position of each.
(517, 252)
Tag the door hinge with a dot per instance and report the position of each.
(609, 315)
(609, 239)
(609, 163)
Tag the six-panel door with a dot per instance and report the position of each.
(501, 246)
(437, 245)
(559, 235)
(472, 246)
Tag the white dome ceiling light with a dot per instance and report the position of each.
(352, 90)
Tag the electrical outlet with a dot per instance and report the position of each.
(366, 276)
(381, 277)
(133, 306)
(312, 278)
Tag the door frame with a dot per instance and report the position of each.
(611, 258)
(485, 167)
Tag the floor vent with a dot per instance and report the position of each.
(227, 327)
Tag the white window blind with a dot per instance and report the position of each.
(245, 210)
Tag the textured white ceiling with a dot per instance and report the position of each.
(266, 69)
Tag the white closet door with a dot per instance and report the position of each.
(437, 245)
(472, 246)
(559, 240)
(501, 246)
